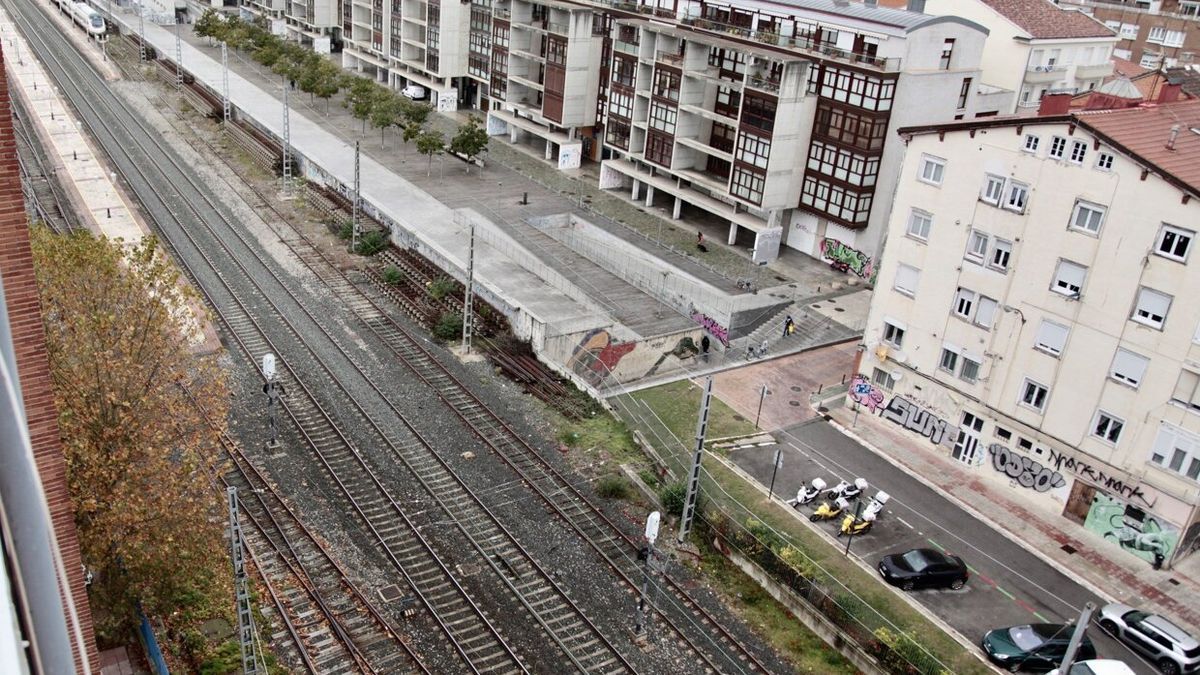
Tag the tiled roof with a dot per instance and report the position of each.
(1043, 19)
(1145, 131)
(1188, 77)
(1126, 68)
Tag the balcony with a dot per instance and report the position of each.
(502, 13)
(790, 42)
(762, 84)
(627, 47)
(558, 28)
(1093, 71)
(670, 58)
(1044, 74)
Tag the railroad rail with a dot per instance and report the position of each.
(40, 183)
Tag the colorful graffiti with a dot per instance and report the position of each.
(1026, 472)
(1097, 477)
(596, 356)
(915, 418)
(710, 324)
(864, 393)
(1129, 527)
(845, 259)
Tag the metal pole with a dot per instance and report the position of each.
(141, 30)
(287, 142)
(850, 538)
(775, 470)
(1077, 638)
(643, 606)
(273, 390)
(761, 396)
(241, 589)
(225, 83)
(178, 56)
(689, 502)
(355, 225)
(469, 295)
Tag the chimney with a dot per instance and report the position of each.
(917, 6)
(1172, 136)
(1169, 93)
(870, 3)
(1055, 103)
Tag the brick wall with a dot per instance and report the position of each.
(29, 342)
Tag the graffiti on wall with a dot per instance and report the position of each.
(596, 356)
(1084, 469)
(915, 418)
(710, 324)
(1146, 536)
(1026, 472)
(866, 394)
(845, 259)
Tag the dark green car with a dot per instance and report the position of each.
(1036, 647)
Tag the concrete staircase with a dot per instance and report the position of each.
(812, 329)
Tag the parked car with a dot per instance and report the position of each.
(1098, 667)
(1036, 647)
(415, 92)
(1163, 643)
(923, 568)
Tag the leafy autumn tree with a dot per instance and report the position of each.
(140, 455)
(470, 140)
(430, 143)
(328, 81)
(385, 112)
(209, 25)
(361, 98)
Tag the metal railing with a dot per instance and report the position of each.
(671, 58)
(807, 44)
(764, 83)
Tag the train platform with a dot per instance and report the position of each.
(102, 206)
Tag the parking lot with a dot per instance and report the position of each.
(1009, 585)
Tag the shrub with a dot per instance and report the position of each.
(371, 243)
(672, 497)
(613, 487)
(449, 327)
(345, 232)
(441, 287)
(648, 477)
(392, 275)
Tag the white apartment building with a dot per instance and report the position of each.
(1036, 47)
(1034, 316)
(312, 23)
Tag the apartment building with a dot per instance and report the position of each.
(1033, 317)
(1155, 34)
(313, 23)
(1036, 47)
(773, 120)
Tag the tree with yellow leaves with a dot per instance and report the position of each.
(141, 456)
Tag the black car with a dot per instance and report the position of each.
(1036, 647)
(923, 568)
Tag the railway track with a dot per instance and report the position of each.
(483, 650)
(40, 184)
(713, 643)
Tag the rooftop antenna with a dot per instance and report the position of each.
(1174, 135)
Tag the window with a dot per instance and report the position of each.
(663, 117)
(970, 368)
(1174, 243)
(1157, 34)
(932, 169)
(1150, 59)
(1128, 367)
(893, 334)
(1051, 337)
(747, 184)
(964, 303)
(659, 149)
(906, 279)
(1151, 308)
(883, 379)
(964, 93)
(1078, 151)
(993, 189)
(1187, 390)
(1107, 427)
(753, 150)
(1031, 143)
(1001, 252)
(1018, 196)
(1033, 395)
(1174, 38)
(1104, 161)
(1087, 217)
(986, 312)
(1002, 433)
(1129, 31)
(919, 224)
(620, 103)
(1068, 279)
(977, 244)
(1058, 145)
(949, 360)
(947, 51)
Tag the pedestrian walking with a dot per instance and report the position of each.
(700, 242)
(705, 343)
(789, 326)
(762, 349)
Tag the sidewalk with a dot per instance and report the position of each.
(1094, 562)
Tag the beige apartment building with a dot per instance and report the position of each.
(1034, 316)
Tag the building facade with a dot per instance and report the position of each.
(1033, 316)
(1036, 47)
(1152, 34)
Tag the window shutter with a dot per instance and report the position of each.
(1052, 336)
(1154, 302)
(1129, 366)
(986, 311)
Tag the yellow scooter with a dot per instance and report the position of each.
(830, 510)
(863, 524)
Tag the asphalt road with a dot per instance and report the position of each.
(1009, 585)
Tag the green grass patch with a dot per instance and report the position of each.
(602, 434)
(678, 405)
(614, 487)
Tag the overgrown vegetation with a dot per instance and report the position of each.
(137, 415)
(614, 487)
(392, 275)
(441, 287)
(449, 327)
(371, 242)
(672, 497)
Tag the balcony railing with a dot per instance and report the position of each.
(1046, 69)
(791, 42)
(671, 58)
(626, 47)
(501, 13)
(763, 83)
(558, 28)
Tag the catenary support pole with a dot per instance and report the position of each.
(178, 56)
(287, 143)
(241, 588)
(355, 224)
(693, 484)
(224, 83)
(141, 31)
(469, 295)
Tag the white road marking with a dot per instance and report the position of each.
(905, 523)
